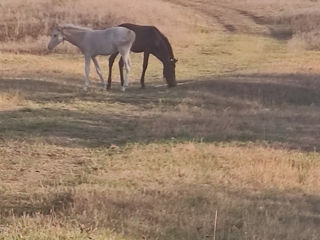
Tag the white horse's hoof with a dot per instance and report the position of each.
(85, 89)
(123, 89)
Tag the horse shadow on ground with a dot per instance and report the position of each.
(277, 108)
(282, 109)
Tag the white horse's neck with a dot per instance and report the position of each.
(74, 36)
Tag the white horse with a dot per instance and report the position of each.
(96, 42)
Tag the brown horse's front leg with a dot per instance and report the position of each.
(111, 61)
(121, 64)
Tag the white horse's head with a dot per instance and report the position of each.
(56, 38)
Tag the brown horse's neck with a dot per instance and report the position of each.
(164, 55)
(163, 58)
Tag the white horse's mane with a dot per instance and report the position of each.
(74, 27)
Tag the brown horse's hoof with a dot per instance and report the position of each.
(172, 85)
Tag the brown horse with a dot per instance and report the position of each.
(149, 40)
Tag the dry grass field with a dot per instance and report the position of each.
(232, 152)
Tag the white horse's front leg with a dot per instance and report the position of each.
(87, 71)
(104, 86)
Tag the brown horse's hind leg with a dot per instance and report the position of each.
(144, 68)
(111, 61)
(121, 64)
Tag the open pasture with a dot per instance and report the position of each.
(236, 142)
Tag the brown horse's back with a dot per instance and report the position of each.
(147, 37)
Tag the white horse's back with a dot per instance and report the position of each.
(107, 41)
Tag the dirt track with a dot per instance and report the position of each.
(250, 17)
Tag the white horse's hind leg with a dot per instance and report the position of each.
(128, 68)
(127, 64)
(87, 71)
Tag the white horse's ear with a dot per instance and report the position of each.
(59, 27)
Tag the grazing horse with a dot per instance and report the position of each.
(91, 43)
(149, 40)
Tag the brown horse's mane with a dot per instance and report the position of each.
(166, 42)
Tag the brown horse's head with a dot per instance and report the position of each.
(169, 72)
